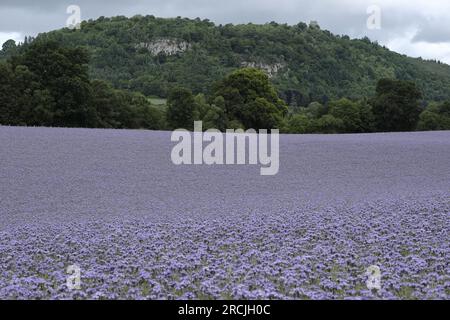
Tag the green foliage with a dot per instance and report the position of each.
(429, 121)
(435, 117)
(9, 49)
(315, 110)
(48, 82)
(366, 116)
(121, 109)
(63, 72)
(315, 64)
(300, 123)
(396, 105)
(260, 114)
(348, 112)
(356, 116)
(181, 107)
(250, 98)
(23, 100)
(49, 85)
(329, 124)
(212, 115)
(215, 118)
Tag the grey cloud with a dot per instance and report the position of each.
(433, 34)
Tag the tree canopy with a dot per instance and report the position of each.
(396, 105)
(251, 99)
(305, 63)
(49, 85)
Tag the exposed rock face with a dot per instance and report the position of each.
(270, 69)
(165, 46)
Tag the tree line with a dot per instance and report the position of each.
(246, 99)
(48, 84)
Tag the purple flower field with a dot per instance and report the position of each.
(139, 227)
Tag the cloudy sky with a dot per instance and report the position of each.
(414, 27)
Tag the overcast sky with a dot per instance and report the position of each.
(414, 27)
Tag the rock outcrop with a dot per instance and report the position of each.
(270, 69)
(165, 46)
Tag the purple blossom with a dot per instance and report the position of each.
(141, 228)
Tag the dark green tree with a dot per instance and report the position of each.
(64, 73)
(123, 109)
(396, 105)
(366, 116)
(261, 114)
(23, 100)
(180, 109)
(8, 95)
(251, 99)
(9, 48)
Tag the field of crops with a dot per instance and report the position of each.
(139, 227)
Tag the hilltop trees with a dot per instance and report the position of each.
(9, 48)
(315, 64)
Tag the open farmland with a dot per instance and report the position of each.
(139, 227)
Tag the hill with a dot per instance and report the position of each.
(153, 55)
